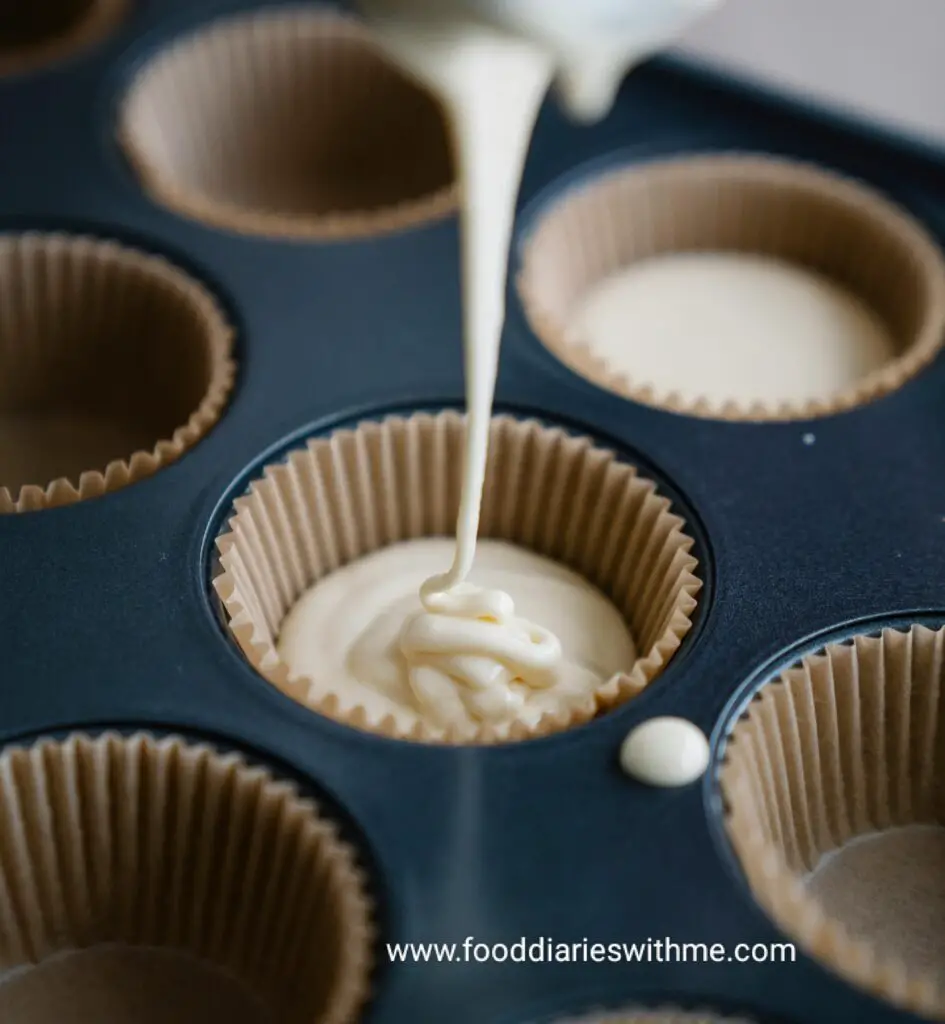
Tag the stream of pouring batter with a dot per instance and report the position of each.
(492, 86)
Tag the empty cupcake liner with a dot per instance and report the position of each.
(288, 123)
(113, 362)
(138, 848)
(37, 34)
(343, 496)
(797, 214)
(667, 1015)
(845, 748)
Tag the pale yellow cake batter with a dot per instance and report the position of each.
(730, 327)
(348, 634)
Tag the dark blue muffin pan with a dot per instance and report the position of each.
(107, 612)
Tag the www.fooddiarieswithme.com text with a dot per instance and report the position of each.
(547, 950)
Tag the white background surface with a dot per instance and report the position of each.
(882, 58)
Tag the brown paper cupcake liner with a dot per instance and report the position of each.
(113, 361)
(667, 1015)
(849, 744)
(157, 863)
(344, 496)
(288, 123)
(801, 215)
(36, 34)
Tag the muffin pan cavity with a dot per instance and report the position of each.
(735, 286)
(834, 807)
(343, 496)
(112, 363)
(288, 123)
(159, 881)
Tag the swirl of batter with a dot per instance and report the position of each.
(468, 655)
(460, 657)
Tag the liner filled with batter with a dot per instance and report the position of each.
(342, 497)
(835, 808)
(857, 280)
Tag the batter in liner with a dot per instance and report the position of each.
(731, 327)
(363, 634)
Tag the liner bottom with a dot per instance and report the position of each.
(889, 890)
(118, 984)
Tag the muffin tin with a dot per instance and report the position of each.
(805, 532)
